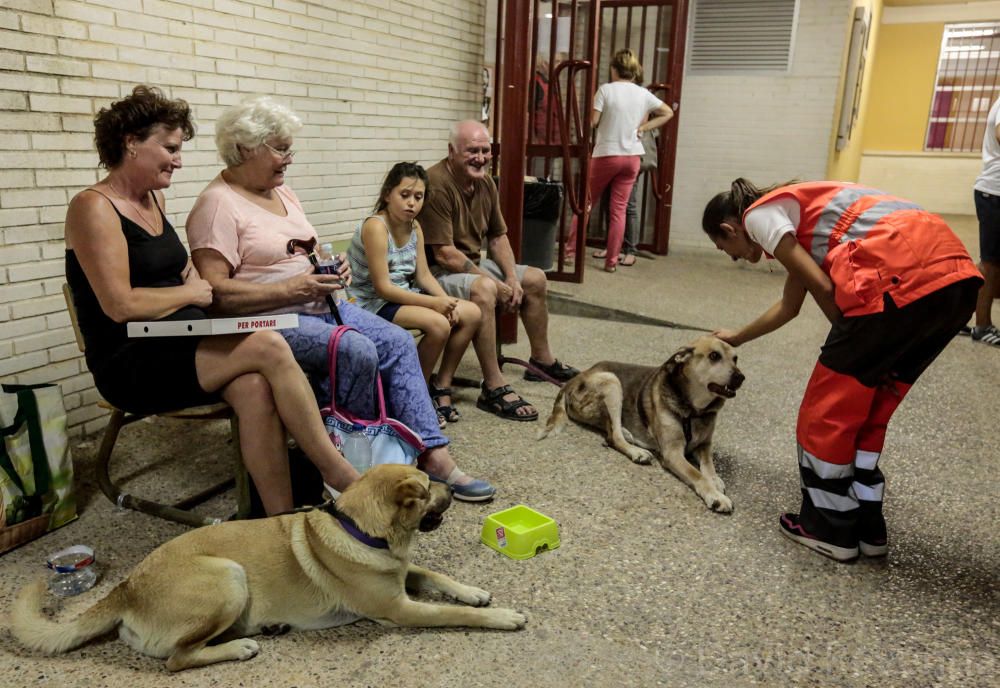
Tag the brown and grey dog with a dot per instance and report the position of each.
(669, 410)
(301, 571)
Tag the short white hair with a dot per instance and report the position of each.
(250, 124)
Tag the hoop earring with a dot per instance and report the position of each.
(131, 152)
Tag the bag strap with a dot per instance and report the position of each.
(8, 467)
(27, 412)
(20, 415)
(331, 351)
(382, 415)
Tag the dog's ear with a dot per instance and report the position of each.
(411, 491)
(677, 361)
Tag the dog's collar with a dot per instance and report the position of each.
(685, 419)
(361, 536)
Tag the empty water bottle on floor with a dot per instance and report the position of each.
(73, 571)
(357, 449)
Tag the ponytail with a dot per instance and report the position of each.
(744, 194)
(732, 204)
(627, 65)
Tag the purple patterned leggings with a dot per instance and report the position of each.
(378, 344)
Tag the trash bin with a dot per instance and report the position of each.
(542, 206)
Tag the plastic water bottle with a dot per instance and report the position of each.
(329, 264)
(357, 449)
(73, 571)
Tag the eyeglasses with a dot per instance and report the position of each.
(284, 154)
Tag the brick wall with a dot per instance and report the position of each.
(375, 81)
(765, 127)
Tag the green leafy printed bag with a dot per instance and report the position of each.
(36, 470)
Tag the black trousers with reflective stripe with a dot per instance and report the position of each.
(888, 350)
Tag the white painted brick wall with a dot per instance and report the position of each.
(375, 81)
(767, 128)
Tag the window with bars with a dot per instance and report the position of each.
(967, 84)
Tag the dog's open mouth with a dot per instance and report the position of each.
(727, 391)
(430, 521)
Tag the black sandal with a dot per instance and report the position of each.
(492, 400)
(446, 411)
(557, 369)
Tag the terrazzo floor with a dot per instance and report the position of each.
(648, 587)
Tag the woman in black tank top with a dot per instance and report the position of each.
(124, 262)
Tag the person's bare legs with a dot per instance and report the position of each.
(535, 315)
(436, 329)
(438, 462)
(469, 319)
(220, 360)
(262, 440)
(483, 293)
(984, 304)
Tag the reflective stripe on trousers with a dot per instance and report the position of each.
(841, 430)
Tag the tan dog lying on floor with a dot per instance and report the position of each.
(307, 570)
(670, 409)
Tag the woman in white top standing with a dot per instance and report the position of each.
(620, 106)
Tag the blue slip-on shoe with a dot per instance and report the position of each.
(476, 491)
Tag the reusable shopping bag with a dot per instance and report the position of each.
(392, 441)
(36, 469)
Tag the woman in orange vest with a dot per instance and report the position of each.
(896, 284)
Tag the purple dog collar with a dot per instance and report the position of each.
(361, 536)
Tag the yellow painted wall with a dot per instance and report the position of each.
(845, 164)
(902, 86)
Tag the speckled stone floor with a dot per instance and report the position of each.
(649, 588)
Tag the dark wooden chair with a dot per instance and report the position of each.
(179, 512)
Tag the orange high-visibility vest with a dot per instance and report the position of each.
(871, 244)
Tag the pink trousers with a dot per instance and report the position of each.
(620, 171)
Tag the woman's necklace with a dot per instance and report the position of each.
(142, 215)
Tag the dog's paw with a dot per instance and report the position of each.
(640, 456)
(718, 502)
(474, 597)
(246, 649)
(506, 619)
(719, 484)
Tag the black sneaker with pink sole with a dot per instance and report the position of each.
(793, 530)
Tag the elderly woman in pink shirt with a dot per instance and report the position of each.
(239, 229)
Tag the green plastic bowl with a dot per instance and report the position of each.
(520, 532)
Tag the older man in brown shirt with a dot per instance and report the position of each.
(462, 211)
